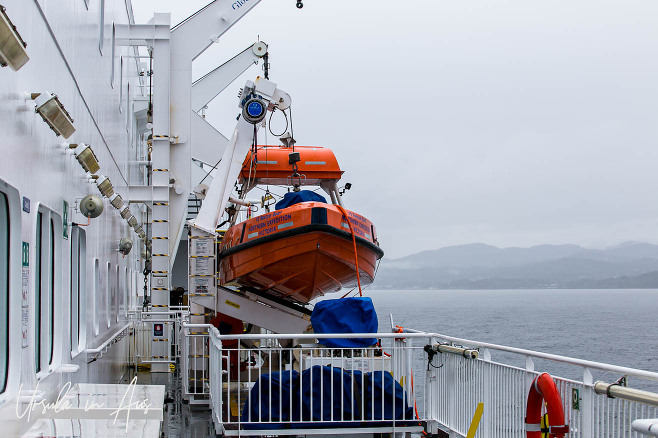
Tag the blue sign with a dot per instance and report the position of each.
(26, 205)
(255, 109)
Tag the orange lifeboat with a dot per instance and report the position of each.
(301, 251)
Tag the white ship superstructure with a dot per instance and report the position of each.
(103, 150)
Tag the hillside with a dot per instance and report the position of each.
(480, 266)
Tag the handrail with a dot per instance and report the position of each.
(646, 426)
(617, 391)
(107, 342)
(552, 357)
(409, 333)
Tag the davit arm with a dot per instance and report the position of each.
(256, 99)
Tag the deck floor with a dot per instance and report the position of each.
(180, 419)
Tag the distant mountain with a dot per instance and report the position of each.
(480, 266)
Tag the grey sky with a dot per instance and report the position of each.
(511, 123)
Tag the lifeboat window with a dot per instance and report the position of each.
(78, 288)
(4, 289)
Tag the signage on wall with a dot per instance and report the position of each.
(25, 290)
(158, 329)
(25, 283)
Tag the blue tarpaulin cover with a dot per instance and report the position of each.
(345, 315)
(292, 198)
(374, 397)
(269, 400)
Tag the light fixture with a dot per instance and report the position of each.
(91, 206)
(86, 157)
(53, 113)
(125, 245)
(105, 186)
(117, 201)
(132, 221)
(125, 213)
(12, 46)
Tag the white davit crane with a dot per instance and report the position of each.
(256, 99)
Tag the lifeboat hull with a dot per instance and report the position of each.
(305, 258)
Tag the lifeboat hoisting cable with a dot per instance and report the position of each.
(542, 390)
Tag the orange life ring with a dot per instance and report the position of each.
(543, 389)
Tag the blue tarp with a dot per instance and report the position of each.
(292, 198)
(345, 315)
(374, 397)
(269, 400)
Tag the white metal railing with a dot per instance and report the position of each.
(149, 349)
(457, 384)
(442, 389)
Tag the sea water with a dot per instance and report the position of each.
(612, 326)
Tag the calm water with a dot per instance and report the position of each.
(612, 326)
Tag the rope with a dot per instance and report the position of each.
(356, 255)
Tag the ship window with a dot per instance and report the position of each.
(37, 305)
(78, 287)
(114, 35)
(96, 297)
(46, 270)
(101, 35)
(126, 288)
(51, 291)
(121, 84)
(4, 290)
(108, 303)
(115, 295)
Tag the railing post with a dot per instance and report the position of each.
(451, 365)
(185, 362)
(587, 405)
(487, 393)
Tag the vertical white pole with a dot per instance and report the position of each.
(587, 405)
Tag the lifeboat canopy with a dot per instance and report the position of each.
(272, 165)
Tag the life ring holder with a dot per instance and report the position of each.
(542, 390)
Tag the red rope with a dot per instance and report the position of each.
(356, 255)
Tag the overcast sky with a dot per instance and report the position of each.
(512, 123)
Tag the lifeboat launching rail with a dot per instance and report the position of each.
(305, 248)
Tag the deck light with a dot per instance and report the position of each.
(53, 113)
(12, 46)
(132, 221)
(105, 186)
(117, 201)
(86, 157)
(125, 245)
(125, 213)
(91, 206)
